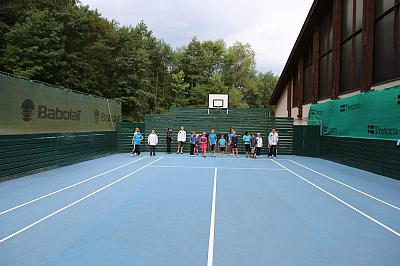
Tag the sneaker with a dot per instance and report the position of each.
(191, 155)
(131, 154)
(181, 152)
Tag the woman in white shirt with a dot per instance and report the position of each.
(181, 140)
(152, 140)
(259, 145)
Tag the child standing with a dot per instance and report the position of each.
(253, 144)
(152, 140)
(193, 141)
(247, 143)
(222, 145)
(235, 142)
(259, 145)
(230, 141)
(136, 140)
(203, 144)
(212, 138)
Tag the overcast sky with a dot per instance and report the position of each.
(270, 26)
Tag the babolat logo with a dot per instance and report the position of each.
(349, 107)
(27, 108)
(45, 112)
(104, 117)
(377, 130)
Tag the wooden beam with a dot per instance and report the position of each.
(289, 97)
(300, 86)
(315, 66)
(337, 35)
(367, 53)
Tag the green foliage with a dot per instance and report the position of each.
(65, 43)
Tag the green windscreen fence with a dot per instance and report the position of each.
(29, 107)
(374, 115)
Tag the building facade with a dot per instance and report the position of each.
(345, 47)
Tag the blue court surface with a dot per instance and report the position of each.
(176, 210)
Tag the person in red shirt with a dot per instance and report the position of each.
(203, 144)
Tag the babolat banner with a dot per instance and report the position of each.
(30, 107)
(374, 114)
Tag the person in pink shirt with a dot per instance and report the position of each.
(203, 144)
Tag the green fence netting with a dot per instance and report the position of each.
(29, 107)
(374, 115)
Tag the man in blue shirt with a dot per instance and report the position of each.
(212, 139)
(136, 140)
(247, 142)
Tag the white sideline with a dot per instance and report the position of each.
(348, 186)
(209, 167)
(74, 203)
(65, 188)
(342, 201)
(210, 255)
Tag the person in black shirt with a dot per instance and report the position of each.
(169, 140)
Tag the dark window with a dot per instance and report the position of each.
(346, 67)
(398, 44)
(295, 95)
(347, 18)
(383, 5)
(387, 41)
(325, 77)
(350, 73)
(307, 85)
(325, 60)
(357, 61)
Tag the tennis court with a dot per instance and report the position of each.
(176, 210)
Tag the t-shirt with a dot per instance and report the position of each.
(222, 143)
(193, 139)
(247, 139)
(212, 138)
(235, 140)
(137, 137)
(203, 140)
(230, 136)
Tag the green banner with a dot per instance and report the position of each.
(374, 114)
(32, 107)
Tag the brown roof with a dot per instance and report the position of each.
(315, 15)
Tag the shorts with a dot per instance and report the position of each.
(234, 145)
(253, 149)
(247, 146)
(212, 146)
(222, 148)
(180, 144)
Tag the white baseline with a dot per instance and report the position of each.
(65, 188)
(348, 186)
(75, 202)
(343, 202)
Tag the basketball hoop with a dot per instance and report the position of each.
(218, 101)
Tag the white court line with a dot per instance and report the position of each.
(210, 255)
(343, 202)
(74, 203)
(243, 157)
(65, 188)
(348, 186)
(209, 167)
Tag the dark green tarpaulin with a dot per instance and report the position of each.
(374, 114)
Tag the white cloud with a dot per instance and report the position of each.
(270, 26)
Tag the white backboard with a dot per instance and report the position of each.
(218, 101)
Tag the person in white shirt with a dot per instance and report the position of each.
(273, 139)
(181, 140)
(152, 140)
(259, 145)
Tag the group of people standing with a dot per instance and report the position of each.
(253, 143)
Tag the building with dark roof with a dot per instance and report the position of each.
(345, 47)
